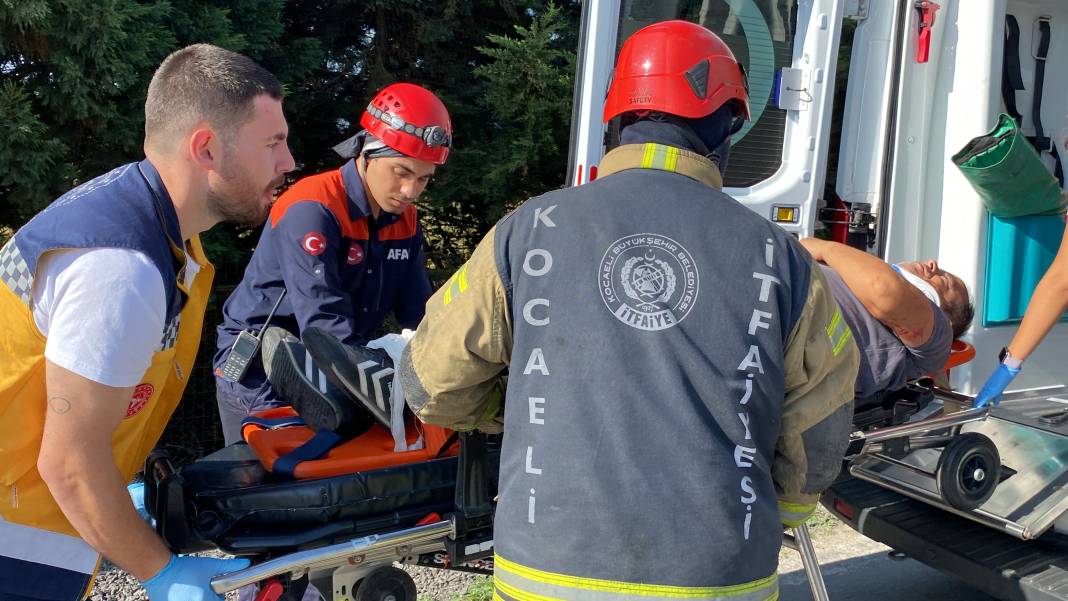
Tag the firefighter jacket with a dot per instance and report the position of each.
(343, 269)
(126, 208)
(679, 384)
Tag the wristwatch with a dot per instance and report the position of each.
(1006, 357)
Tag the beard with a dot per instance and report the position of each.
(235, 199)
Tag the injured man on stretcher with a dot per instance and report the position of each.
(904, 318)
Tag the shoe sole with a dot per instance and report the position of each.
(359, 371)
(289, 374)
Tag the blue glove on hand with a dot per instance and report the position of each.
(996, 384)
(137, 495)
(189, 578)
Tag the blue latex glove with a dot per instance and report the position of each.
(996, 384)
(137, 495)
(189, 578)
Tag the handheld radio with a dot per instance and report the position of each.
(246, 346)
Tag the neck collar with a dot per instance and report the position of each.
(664, 158)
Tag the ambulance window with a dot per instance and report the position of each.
(760, 33)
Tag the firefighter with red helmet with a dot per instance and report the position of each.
(340, 251)
(680, 378)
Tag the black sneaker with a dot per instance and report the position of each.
(365, 373)
(300, 383)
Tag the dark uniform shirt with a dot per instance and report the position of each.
(887, 363)
(344, 271)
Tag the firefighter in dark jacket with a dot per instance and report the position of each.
(346, 245)
(680, 380)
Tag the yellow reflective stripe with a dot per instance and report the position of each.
(672, 158)
(463, 277)
(659, 156)
(503, 567)
(647, 156)
(456, 285)
(517, 594)
(835, 320)
(842, 341)
(795, 514)
(448, 290)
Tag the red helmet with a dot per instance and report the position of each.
(676, 67)
(410, 120)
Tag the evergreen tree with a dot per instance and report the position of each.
(73, 77)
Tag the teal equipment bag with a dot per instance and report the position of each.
(1019, 251)
(1006, 171)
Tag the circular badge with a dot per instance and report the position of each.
(648, 281)
(314, 243)
(141, 395)
(355, 254)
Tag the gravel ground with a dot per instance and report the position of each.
(113, 584)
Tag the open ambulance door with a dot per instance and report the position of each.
(789, 49)
(925, 208)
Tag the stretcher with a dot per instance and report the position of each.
(343, 520)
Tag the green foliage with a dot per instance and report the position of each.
(73, 77)
(480, 590)
(512, 125)
(528, 90)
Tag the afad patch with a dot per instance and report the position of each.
(355, 254)
(314, 243)
(141, 395)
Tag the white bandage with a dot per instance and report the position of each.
(394, 345)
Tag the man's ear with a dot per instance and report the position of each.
(203, 148)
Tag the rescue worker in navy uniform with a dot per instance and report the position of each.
(102, 304)
(680, 379)
(345, 244)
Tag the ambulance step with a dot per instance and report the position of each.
(996, 563)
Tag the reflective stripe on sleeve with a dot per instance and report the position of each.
(46, 548)
(795, 514)
(838, 332)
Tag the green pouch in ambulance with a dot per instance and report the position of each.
(1006, 171)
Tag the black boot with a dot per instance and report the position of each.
(364, 373)
(301, 383)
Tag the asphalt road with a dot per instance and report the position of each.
(856, 568)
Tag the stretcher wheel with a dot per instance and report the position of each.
(386, 584)
(968, 471)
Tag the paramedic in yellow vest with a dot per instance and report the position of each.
(102, 302)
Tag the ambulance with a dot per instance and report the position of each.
(858, 108)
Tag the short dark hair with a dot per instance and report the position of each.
(960, 314)
(203, 83)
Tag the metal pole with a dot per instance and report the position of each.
(376, 546)
(811, 564)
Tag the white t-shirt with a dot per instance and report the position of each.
(102, 311)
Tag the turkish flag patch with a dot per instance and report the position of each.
(355, 254)
(141, 395)
(314, 243)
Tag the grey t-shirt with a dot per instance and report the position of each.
(886, 362)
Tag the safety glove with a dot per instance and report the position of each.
(186, 578)
(137, 495)
(1008, 369)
